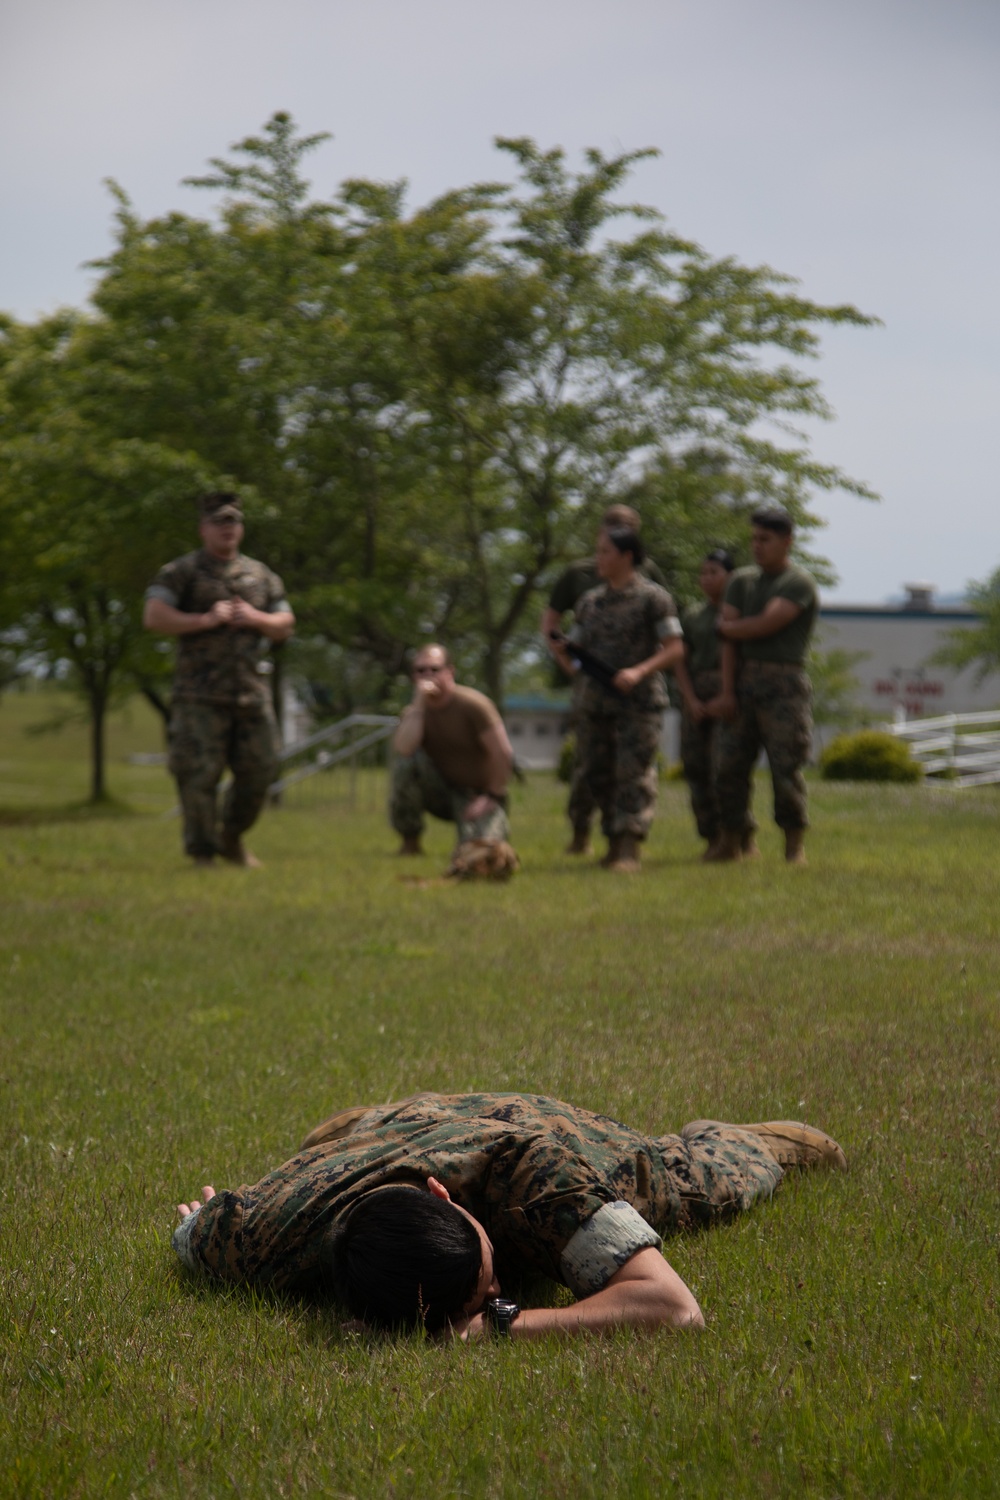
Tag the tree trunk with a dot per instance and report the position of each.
(98, 714)
(493, 670)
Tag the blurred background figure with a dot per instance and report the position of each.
(630, 625)
(569, 588)
(699, 677)
(223, 608)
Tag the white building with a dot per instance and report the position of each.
(536, 726)
(894, 645)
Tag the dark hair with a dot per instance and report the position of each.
(722, 556)
(626, 539)
(402, 1258)
(621, 515)
(773, 518)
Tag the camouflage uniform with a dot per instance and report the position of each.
(618, 737)
(571, 585)
(700, 742)
(419, 787)
(560, 1191)
(774, 699)
(220, 712)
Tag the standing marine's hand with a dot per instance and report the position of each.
(243, 615)
(184, 1209)
(628, 678)
(221, 613)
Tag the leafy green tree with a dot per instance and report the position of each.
(977, 646)
(426, 411)
(84, 515)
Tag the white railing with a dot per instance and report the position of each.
(965, 745)
(378, 727)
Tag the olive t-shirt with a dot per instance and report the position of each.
(700, 637)
(751, 589)
(580, 577)
(452, 737)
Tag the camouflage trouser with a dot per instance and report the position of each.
(419, 787)
(617, 755)
(718, 1171)
(205, 738)
(699, 755)
(581, 806)
(774, 714)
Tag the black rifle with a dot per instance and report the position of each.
(588, 663)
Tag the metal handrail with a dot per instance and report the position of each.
(381, 725)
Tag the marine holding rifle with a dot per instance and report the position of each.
(625, 635)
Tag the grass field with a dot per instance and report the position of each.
(164, 1027)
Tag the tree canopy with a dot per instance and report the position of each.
(426, 410)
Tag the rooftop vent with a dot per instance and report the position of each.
(919, 597)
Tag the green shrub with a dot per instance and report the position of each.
(870, 755)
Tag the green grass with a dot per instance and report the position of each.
(164, 1027)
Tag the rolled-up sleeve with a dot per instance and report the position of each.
(181, 1241)
(602, 1245)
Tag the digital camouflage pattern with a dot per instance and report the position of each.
(617, 758)
(579, 577)
(699, 748)
(532, 1170)
(221, 665)
(418, 788)
(204, 738)
(571, 585)
(624, 627)
(774, 714)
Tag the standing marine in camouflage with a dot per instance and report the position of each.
(567, 591)
(631, 626)
(223, 608)
(413, 1213)
(767, 620)
(699, 678)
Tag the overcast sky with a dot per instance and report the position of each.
(850, 143)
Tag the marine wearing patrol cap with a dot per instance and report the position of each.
(220, 505)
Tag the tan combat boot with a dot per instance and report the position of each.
(791, 1143)
(614, 844)
(235, 851)
(726, 848)
(795, 853)
(628, 860)
(749, 848)
(410, 844)
(580, 842)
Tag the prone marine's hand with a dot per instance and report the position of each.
(184, 1209)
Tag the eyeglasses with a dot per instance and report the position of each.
(428, 671)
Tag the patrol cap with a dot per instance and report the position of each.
(220, 506)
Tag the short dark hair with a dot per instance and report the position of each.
(622, 515)
(402, 1258)
(626, 539)
(722, 556)
(773, 518)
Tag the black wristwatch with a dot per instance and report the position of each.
(499, 1313)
